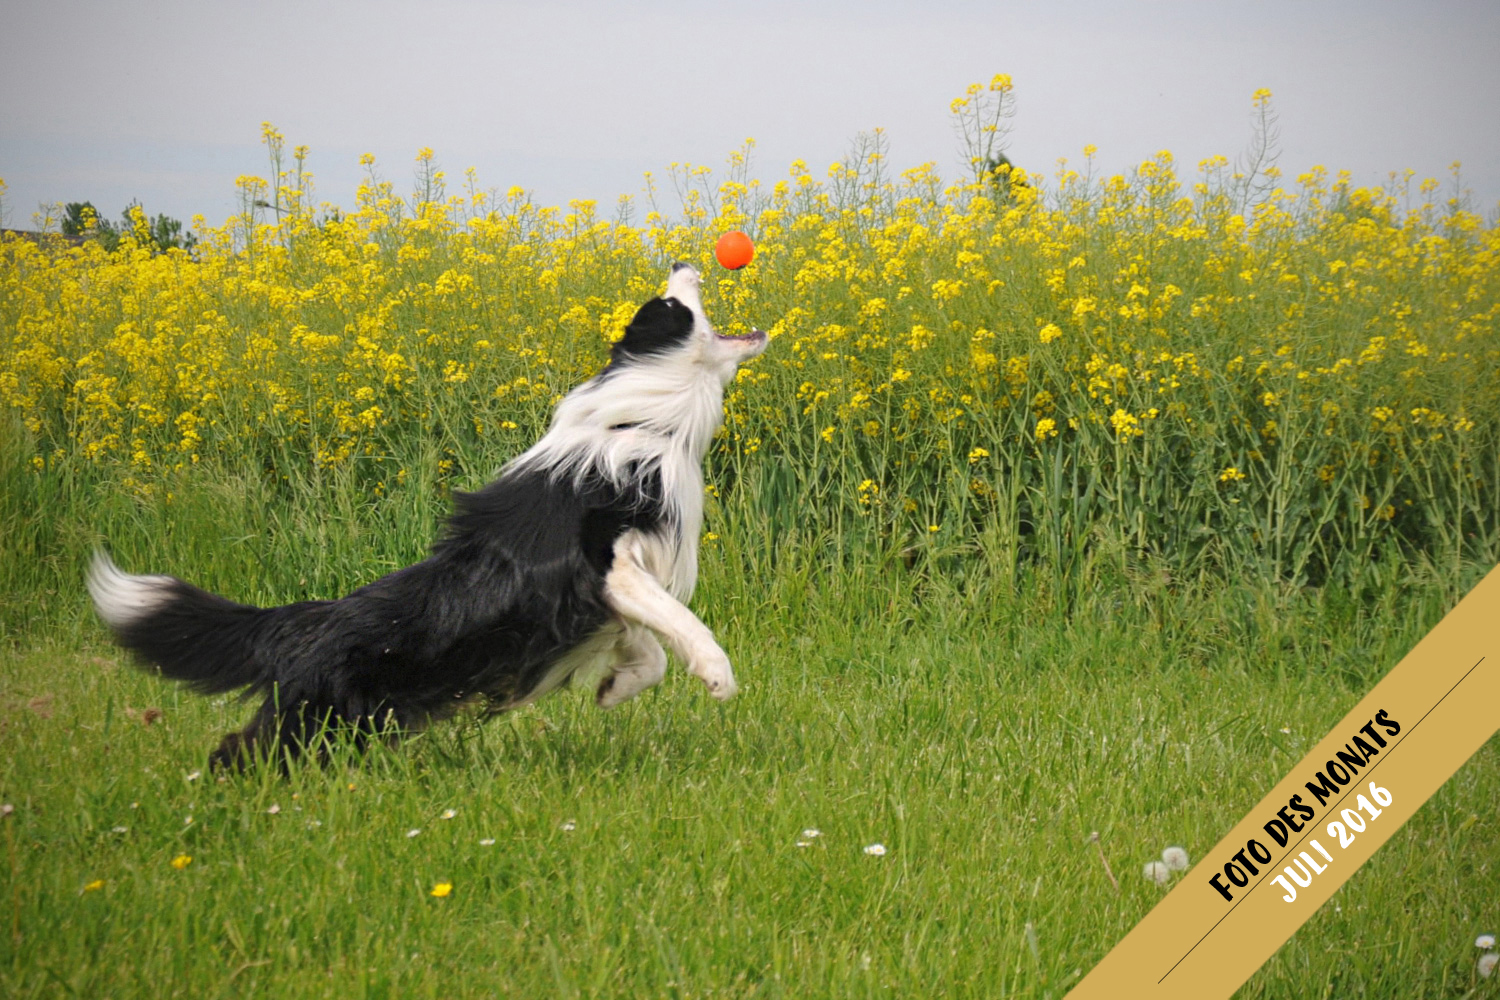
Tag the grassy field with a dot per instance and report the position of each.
(654, 851)
(1079, 505)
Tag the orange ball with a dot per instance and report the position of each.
(734, 250)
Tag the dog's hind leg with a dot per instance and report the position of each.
(237, 751)
(637, 596)
(280, 733)
(640, 663)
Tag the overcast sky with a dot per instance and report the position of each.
(162, 102)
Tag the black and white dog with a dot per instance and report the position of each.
(574, 559)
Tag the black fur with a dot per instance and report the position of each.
(659, 326)
(515, 584)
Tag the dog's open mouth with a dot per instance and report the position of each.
(752, 335)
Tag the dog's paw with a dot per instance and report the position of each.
(714, 671)
(723, 689)
(643, 667)
(612, 692)
(231, 754)
(623, 685)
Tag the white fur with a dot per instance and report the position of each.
(640, 663)
(637, 595)
(673, 406)
(123, 598)
(597, 652)
(659, 415)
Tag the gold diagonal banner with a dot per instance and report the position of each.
(1322, 821)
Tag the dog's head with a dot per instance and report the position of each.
(675, 325)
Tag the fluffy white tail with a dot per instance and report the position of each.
(121, 598)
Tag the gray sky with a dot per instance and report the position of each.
(163, 101)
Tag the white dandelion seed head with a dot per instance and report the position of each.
(274, 808)
(487, 842)
(187, 820)
(1158, 872)
(1485, 941)
(569, 826)
(7, 809)
(413, 832)
(1175, 858)
(810, 833)
(875, 850)
(449, 813)
(1487, 964)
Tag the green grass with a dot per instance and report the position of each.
(979, 741)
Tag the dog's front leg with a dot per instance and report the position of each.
(637, 596)
(639, 663)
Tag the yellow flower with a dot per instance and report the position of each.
(1231, 475)
(181, 861)
(1125, 424)
(976, 454)
(1049, 333)
(1045, 428)
(442, 889)
(94, 886)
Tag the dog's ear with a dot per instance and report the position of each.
(659, 326)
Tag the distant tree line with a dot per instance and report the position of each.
(80, 218)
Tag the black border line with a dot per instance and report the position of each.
(1314, 822)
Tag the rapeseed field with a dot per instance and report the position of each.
(1292, 380)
